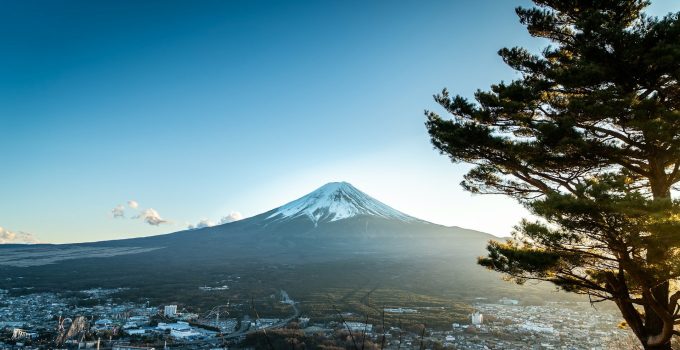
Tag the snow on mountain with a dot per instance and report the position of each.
(336, 201)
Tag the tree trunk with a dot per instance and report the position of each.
(657, 253)
(652, 320)
(666, 346)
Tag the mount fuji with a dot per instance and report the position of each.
(336, 201)
(332, 231)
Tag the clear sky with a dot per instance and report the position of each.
(198, 109)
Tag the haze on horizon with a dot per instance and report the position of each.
(127, 118)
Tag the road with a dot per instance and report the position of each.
(279, 324)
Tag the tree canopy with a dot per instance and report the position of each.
(588, 139)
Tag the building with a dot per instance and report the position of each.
(179, 330)
(103, 324)
(137, 331)
(400, 310)
(185, 333)
(188, 316)
(139, 320)
(359, 327)
(170, 310)
(165, 326)
(18, 334)
(477, 318)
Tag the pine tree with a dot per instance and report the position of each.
(588, 139)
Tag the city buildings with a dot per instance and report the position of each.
(170, 310)
(359, 327)
(34, 321)
(477, 318)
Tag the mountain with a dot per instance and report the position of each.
(333, 237)
(336, 201)
(334, 222)
(325, 224)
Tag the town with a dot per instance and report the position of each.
(52, 320)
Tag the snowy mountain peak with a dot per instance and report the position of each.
(336, 201)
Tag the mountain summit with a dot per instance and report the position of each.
(336, 201)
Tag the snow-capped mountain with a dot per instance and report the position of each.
(336, 236)
(336, 201)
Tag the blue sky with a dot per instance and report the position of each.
(201, 109)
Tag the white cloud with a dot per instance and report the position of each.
(202, 224)
(233, 216)
(118, 211)
(7, 237)
(151, 217)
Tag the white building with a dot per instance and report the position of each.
(359, 327)
(400, 310)
(179, 330)
(138, 331)
(184, 333)
(170, 310)
(19, 333)
(178, 325)
(477, 318)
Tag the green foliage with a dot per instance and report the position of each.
(586, 139)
